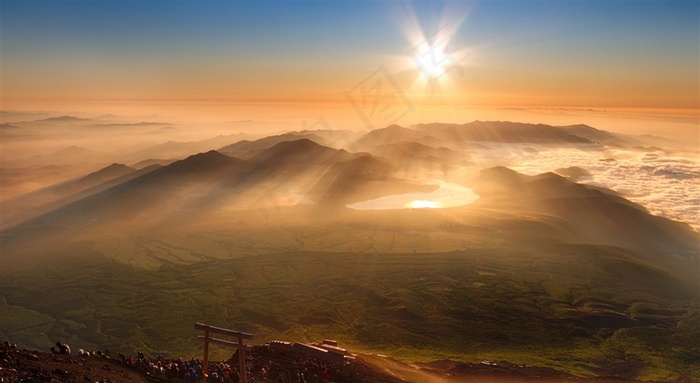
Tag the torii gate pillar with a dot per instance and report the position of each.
(227, 343)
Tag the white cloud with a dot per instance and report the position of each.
(666, 185)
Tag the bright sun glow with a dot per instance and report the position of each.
(432, 60)
(439, 63)
(422, 204)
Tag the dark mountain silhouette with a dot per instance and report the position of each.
(574, 173)
(501, 181)
(65, 118)
(109, 116)
(153, 161)
(597, 135)
(592, 215)
(264, 239)
(645, 143)
(33, 204)
(498, 181)
(303, 152)
(501, 131)
(128, 125)
(289, 165)
(409, 155)
(200, 163)
(210, 168)
(360, 179)
(179, 149)
(104, 174)
(203, 182)
(20, 180)
(247, 149)
(10, 131)
(13, 116)
(153, 194)
(64, 189)
(61, 120)
(328, 136)
(392, 134)
(208, 181)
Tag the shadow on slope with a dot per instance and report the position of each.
(363, 178)
(593, 214)
(28, 206)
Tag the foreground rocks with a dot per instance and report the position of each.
(18, 365)
(265, 365)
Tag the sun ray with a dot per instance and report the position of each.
(432, 58)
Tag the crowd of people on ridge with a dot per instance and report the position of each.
(263, 364)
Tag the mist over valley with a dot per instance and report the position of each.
(566, 247)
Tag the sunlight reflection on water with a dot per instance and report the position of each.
(447, 195)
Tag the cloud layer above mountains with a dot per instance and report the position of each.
(667, 185)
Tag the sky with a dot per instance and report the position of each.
(368, 63)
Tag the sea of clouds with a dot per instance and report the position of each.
(666, 184)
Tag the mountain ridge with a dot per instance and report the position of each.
(539, 270)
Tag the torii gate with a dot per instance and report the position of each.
(223, 331)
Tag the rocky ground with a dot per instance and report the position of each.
(18, 365)
(268, 365)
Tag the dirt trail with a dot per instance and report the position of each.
(408, 373)
(413, 373)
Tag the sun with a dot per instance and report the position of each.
(432, 60)
(422, 204)
(438, 65)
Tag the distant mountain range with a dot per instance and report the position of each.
(262, 233)
(590, 214)
(497, 131)
(295, 169)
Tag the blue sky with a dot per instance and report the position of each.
(638, 53)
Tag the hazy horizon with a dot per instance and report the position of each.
(514, 181)
(623, 66)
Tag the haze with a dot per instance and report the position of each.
(563, 63)
(508, 181)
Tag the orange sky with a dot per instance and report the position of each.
(303, 61)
